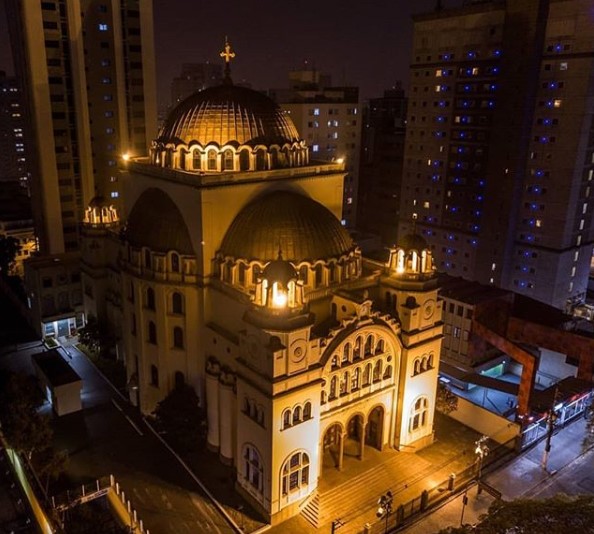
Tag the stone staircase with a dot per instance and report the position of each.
(360, 493)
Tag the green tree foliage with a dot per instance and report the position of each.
(96, 336)
(558, 515)
(9, 248)
(51, 464)
(446, 402)
(24, 428)
(181, 418)
(92, 518)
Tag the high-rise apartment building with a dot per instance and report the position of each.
(380, 172)
(13, 152)
(88, 72)
(499, 156)
(329, 119)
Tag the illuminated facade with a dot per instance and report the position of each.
(238, 279)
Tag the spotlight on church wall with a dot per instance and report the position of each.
(340, 160)
(126, 156)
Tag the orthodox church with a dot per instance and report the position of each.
(230, 271)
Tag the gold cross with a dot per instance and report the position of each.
(227, 53)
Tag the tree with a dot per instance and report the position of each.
(558, 515)
(26, 430)
(51, 464)
(181, 417)
(446, 402)
(90, 334)
(9, 248)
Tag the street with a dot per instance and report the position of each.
(108, 437)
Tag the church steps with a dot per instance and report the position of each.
(310, 510)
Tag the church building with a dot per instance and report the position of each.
(238, 278)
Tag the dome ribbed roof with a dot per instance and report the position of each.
(155, 222)
(225, 114)
(302, 228)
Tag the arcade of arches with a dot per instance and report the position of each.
(349, 441)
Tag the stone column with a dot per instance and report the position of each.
(212, 403)
(361, 438)
(341, 451)
(226, 412)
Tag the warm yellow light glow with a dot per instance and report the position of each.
(340, 160)
(279, 299)
(126, 156)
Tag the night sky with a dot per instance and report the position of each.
(365, 43)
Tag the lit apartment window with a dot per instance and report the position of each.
(103, 27)
(315, 148)
(114, 194)
(557, 103)
(316, 111)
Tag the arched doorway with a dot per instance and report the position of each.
(374, 428)
(333, 444)
(355, 437)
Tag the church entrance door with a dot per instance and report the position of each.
(333, 446)
(374, 429)
(355, 443)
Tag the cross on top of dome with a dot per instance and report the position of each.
(228, 55)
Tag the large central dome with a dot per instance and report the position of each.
(228, 114)
(300, 227)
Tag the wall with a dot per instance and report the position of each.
(486, 422)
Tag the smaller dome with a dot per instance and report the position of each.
(413, 242)
(280, 270)
(156, 222)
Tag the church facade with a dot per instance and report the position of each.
(237, 277)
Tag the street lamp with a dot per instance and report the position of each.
(384, 508)
(481, 450)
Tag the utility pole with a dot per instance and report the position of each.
(551, 419)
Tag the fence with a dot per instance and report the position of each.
(104, 487)
(402, 514)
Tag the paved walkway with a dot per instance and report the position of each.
(452, 451)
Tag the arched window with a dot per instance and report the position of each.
(274, 158)
(154, 376)
(424, 363)
(182, 159)
(147, 259)
(319, 270)
(344, 384)
(196, 160)
(417, 367)
(367, 375)
(177, 303)
(357, 353)
(179, 379)
(212, 159)
(304, 274)
(346, 353)
(430, 364)
(377, 371)
(244, 160)
(261, 160)
(256, 270)
(295, 473)
(241, 273)
(355, 379)
(150, 298)
(152, 333)
(174, 262)
(286, 419)
(333, 384)
(335, 364)
(368, 345)
(307, 411)
(228, 160)
(178, 337)
(252, 467)
(388, 372)
(260, 415)
(297, 415)
(418, 416)
(379, 346)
